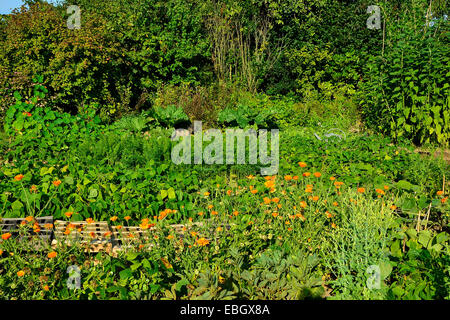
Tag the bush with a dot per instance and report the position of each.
(406, 91)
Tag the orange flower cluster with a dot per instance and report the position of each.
(202, 242)
(164, 213)
(19, 177)
(6, 236)
(145, 224)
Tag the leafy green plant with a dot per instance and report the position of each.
(171, 116)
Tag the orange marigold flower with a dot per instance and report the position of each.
(69, 214)
(228, 192)
(361, 190)
(333, 225)
(235, 213)
(56, 183)
(200, 213)
(20, 273)
(202, 242)
(254, 191)
(19, 177)
(214, 213)
(443, 200)
(89, 220)
(306, 174)
(393, 207)
(48, 226)
(302, 164)
(29, 218)
(250, 177)
(303, 204)
(219, 229)
(269, 184)
(329, 215)
(274, 214)
(386, 188)
(335, 203)
(288, 178)
(107, 234)
(144, 226)
(193, 233)
(332, 178)
(46, 288)
(295, 178)
(315, 198)
(52, 255)
(308, 190)
(266, 200)
(440, 193)
(127, 218)
(210, 206)
(206, 193)
(169, 237)
(92, 234)
(113, 218)
(317, 174)
(33, 188)
(6, 236)
(276, 200)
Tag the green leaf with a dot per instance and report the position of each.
(398, 291)
(171, 193)
(68, 179)
(135, 266)
(125, 274)
(132, 255)
(180, 284)
(93, 193)
(18, 124)
(16, 205)
(425, 237)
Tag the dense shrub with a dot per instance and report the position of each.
(406, 92)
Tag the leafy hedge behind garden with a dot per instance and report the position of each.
(313, 50)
